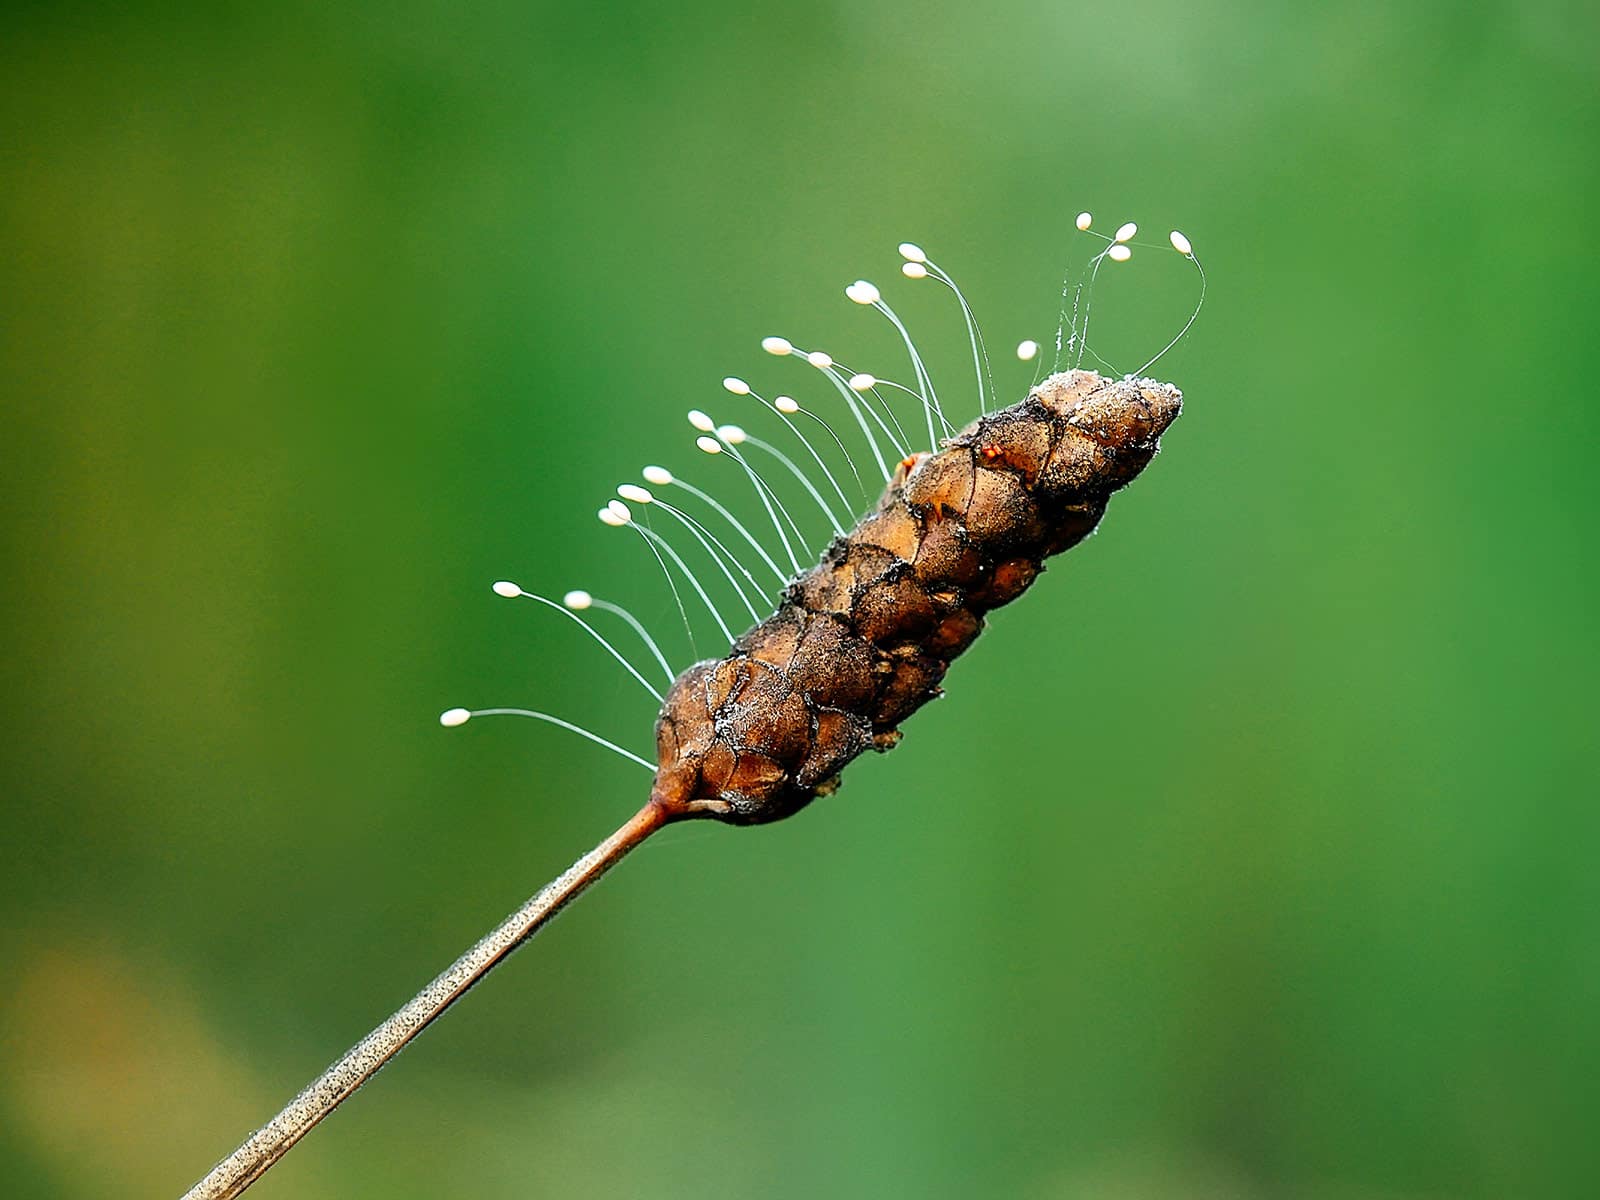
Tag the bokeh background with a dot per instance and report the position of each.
(1251, 856)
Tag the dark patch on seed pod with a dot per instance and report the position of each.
(832, 665)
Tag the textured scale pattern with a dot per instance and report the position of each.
(862, 640)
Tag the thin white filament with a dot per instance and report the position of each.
(930, 398)
(568, 725)
(715, 557)
(848, 457)
(806, 442)
(732, 558)
(677, 596)
(738, 525)
(805, 481)
(650, 535)
(1076, 291)
(854, 406)
(901, 440)
(1198, 304)
(1082, 334)
(910, 391)
(841, 377)
(761, 493)
(599, 637)
(638, 628)
(767, 490)
(898, 441)
(980, 353)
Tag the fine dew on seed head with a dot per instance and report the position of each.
(860, 639)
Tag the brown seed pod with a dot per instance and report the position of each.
(862, 640)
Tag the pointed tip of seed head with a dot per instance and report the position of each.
(863, 292)
(1027, 351)
(1119, 253)
(777, 345)
(700, 421)
(1084, 220)
(912, 252)
(507, 589)
(786, 404)
(732, 434)
(863, 382)
(620, 511)
(577, 600)
(635, 493)
(1180, 244)
(820, 360)
(1125, 232)
(659, 476)
(709, 444)
(451, 717)
(736, 385)
(913, 270)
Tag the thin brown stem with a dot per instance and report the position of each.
(272, 1141)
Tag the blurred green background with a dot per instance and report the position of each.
(1252, 855)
